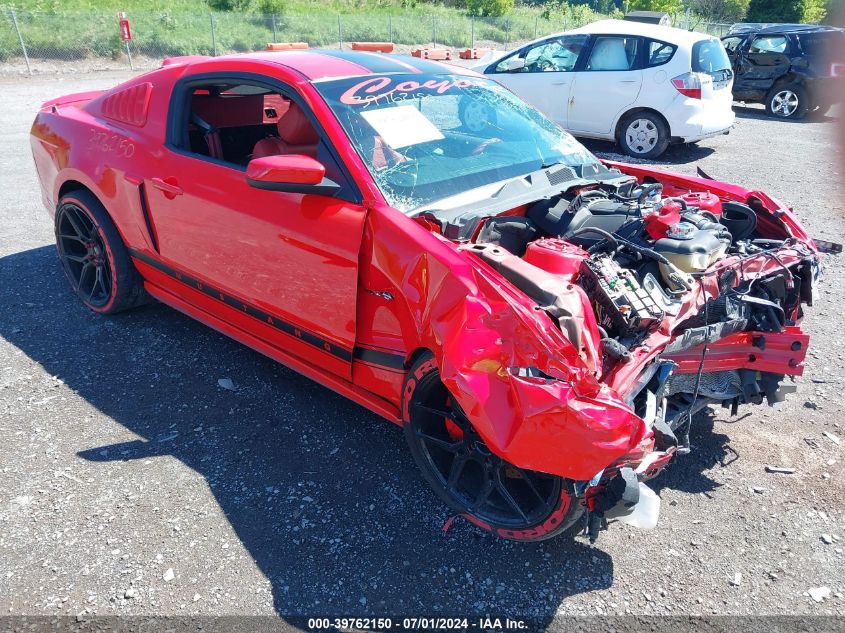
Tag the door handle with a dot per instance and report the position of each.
(170, 189)
(628, 81)
(560, 83)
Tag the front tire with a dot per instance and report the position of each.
(510, 502)
(788, 102)
(95, 260)
(643, 135)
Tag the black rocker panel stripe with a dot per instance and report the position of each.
(388, 360)
(237, 304)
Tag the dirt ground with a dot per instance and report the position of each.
(131, 483)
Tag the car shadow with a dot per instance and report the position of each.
(680, 154)
(322, 494)
(689, 473)
(758, 113)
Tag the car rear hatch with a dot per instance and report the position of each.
(709, 58)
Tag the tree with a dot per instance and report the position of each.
(775, 11)
(491, 8)
(835, 13)
(672, 7)
(813, 11)
(719, 10)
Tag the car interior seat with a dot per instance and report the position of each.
(296, 136)
(609, 54)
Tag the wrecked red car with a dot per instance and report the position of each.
(542, 324)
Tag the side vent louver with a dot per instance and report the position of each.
(129, 105)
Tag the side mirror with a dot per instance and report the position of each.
(514, 64)
(294, 173)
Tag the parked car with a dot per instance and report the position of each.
(791, 68)
(542, 324)
(643, 85)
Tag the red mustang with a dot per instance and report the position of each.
(412, 235)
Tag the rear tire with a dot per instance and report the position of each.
(94, 258)
(788, 101)
(643, 135)
(508, 501)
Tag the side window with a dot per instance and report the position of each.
(731, 44)
(233, 122)
(769, 44)
(613, 53)
(556, 55)
(659, 53)
(228, 121)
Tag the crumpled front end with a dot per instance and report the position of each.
(581, 333)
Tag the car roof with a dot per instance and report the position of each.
(766, 28)
(655, 31)
(323, 64)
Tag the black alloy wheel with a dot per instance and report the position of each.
(94, 258)
(510, 501)
(83, 254)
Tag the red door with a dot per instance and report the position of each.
(288, 261)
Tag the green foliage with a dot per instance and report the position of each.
(835, 12)
(672, 7)
(571, 16)
(719, 10)
(228, 5)
(813, 11)
(271, 7)
(775, 11)
(77, 29)
(489, 8)
(788, 10)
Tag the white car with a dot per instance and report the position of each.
(643, 85)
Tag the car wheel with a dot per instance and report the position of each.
(510, 502)
(476, 116)
(643, 135)
(94, 258)
(787, 102)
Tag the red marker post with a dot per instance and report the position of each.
(125, 34)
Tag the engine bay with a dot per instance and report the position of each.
(657, 288)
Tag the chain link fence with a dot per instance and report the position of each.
(55, 42)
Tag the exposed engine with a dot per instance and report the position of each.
(665, 277)
(673, 299)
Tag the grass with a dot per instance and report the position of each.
(77, 29)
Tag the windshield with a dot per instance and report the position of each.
(429, 137)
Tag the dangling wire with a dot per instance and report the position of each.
(691, 409)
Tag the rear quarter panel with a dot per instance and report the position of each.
(72, 142)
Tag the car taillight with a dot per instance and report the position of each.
(688, 84)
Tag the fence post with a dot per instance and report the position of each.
(213, 35)
(434, 31)
(20, 39)
(472, 32)
(274, 28)
(389, 28)
(536, 20)
(339, 33)
(507, 32)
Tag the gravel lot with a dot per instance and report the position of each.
(133, 484)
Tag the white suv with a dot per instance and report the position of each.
(639, 84)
